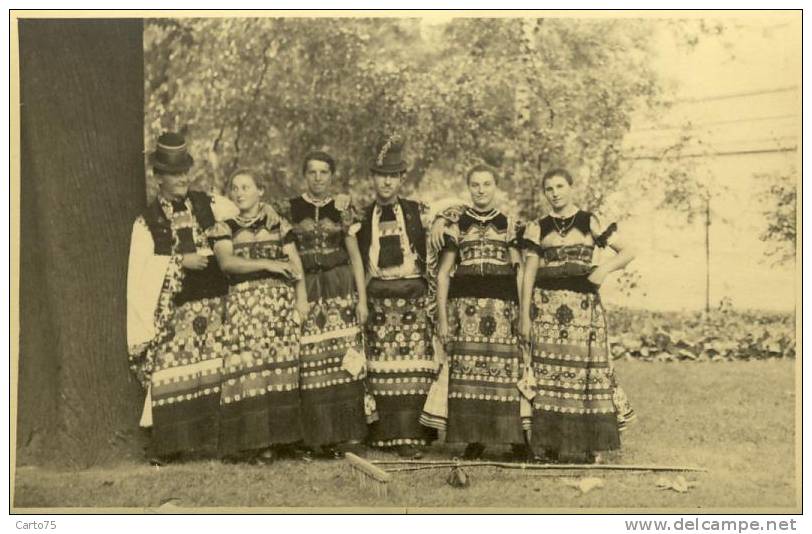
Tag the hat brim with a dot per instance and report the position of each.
(388, 169)
(181, 166)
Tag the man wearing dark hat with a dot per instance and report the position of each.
(175, 309)
(401, 367)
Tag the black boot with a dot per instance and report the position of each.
(160, 460)
(330, 452)
(263, 457)
(520, 452)
(409, 451)
(473, 451)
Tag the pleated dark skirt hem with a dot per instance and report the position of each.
(186, 427)
(575, 433)
(333, 415)
(258, 423)
(471, 428)
(399, 422)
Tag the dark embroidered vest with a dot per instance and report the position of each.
(207, 283)
(581, 223)
(414, 231)
(161, 228)
(321, 248)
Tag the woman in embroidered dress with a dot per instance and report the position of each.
(574, 414)
(260, 390)
(477, 312)
(332, 354)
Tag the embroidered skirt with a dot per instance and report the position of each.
(332, 400)
(485, 365)
(574, 412)
(185, 382)
(260, 389)
(400, 360)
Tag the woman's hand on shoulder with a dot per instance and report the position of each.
(437, 234)
(271, 215)
(342, 201)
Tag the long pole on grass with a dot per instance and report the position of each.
(427, 464)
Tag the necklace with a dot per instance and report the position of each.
(248, 221)
(319, 203)
(562, 231)
(482, 217)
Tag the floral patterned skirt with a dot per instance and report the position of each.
(185, 381)
(332, 400)
(260, 388)
(400, 360)
(574, 412)
(485, 364)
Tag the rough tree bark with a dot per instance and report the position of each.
(82, 184)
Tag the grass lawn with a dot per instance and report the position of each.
(735, 419)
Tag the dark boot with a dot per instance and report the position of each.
(575, 458)
(473, 451)
(409, 451)
(330, 452)
(520, 452)
(355, 448)
(263, 457)
(164, 459)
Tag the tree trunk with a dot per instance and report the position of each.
(82, 184)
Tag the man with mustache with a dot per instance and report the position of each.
(392, 241)
(175, 310)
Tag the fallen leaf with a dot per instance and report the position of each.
(678, 484)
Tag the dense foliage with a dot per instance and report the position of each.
(524, 94)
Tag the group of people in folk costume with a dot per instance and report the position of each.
(308, 327)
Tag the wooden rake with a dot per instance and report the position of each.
(369, 474)
(378, 473)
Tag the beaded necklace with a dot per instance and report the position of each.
(319, 203)
(562, 231)
(247, 222)
(482, 217)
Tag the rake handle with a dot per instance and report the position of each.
(508, 465)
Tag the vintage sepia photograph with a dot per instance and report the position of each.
(468, 261)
